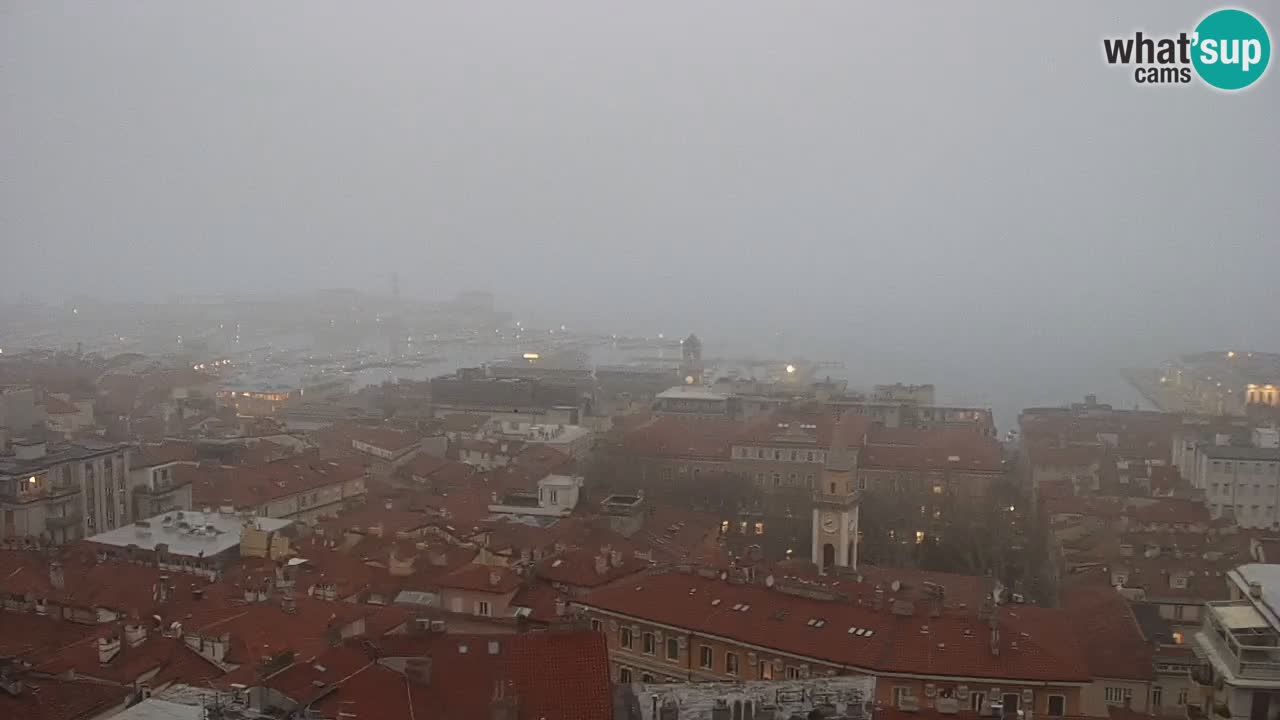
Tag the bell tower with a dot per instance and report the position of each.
(835, 505)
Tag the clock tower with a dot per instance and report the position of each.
(835, 505)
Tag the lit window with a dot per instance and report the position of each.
(1177, 638)
(919, 537)
(937, 489)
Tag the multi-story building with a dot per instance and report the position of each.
(687, 627)
(63, 492)
(300, 488)
(161, 477)
(1239, 643)
(1241, 483)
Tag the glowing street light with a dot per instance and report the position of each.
(791, 369)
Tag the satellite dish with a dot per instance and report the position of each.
(768, 581)
(896, 585)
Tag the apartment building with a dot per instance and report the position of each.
(1239, 645)
(691, 627)
(62, 492)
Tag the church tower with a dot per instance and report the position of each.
(835, 505)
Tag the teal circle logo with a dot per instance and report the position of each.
(1232, 49)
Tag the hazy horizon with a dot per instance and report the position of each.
(957, 190)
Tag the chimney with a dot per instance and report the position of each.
(495, 577)
(560, 606)
(135, 634)
(615, 558)
(1255, 590)
(602, 565)
(57, 576)
(108, 648)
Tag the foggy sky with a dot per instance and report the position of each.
(966, 178)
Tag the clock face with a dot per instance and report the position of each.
(829, 522)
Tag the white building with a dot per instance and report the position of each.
(1241, 483)
(65, 491)
(572, 440)
(1239, 644)
(557, 497)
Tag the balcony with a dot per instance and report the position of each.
(1242, 641)
(26, 493)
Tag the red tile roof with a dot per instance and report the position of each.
(52, 699)
(1073, 456)
(1035, 644)
(155, 454)
(54, 405)
(672, 436)
(577, 567)
(1107, 631)
(555, 674)
(936, 449)
(481, 578)
(252, 486)
(1168, 512)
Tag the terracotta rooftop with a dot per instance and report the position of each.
(252, 486)
(556, 674)
(1108, 633)
(481, 578)
(1036, 644)
(54, 699)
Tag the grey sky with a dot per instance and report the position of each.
(972, 171)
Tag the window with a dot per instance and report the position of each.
(1177, 638)
(597, 625)
(795, 456)
(673, 649)
(648, 643)
(810, 456)
(731, 663)
(808, 479)
(1182, 696)
(1157, 695)
(1118, 695)
(1179, 610)
(625, 638)
(900, 694)
(705, 657)
(977, 701)
(791, 479)
(793, 673)
(482, 608)
(862, 483)
(624, 675)
(766, 670)
(1057, 705)
(555, 497)
(777, 454)
(777, 479)
(646, 677)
